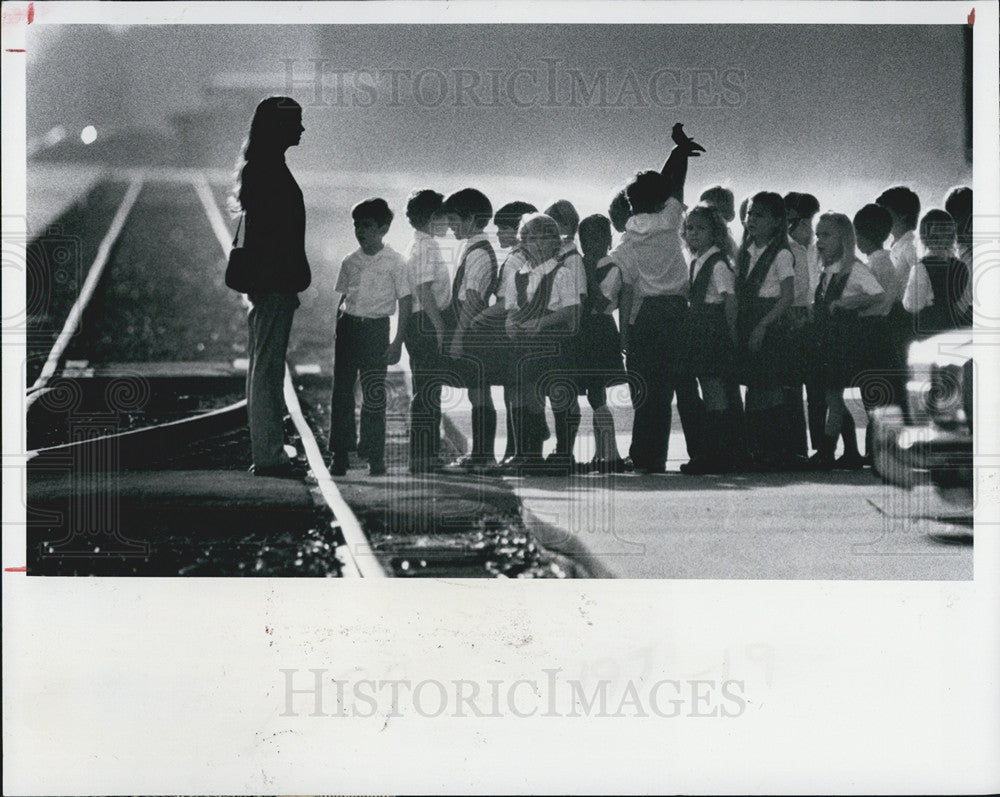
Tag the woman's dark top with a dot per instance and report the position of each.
(275, 226)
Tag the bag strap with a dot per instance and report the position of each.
(238, 225)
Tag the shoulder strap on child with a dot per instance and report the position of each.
(748, 284)
(456, 284)
(498, 280)
(486, 247)
(834, 288)
(600, 274)
(539, 303)
(699, 285)
(603, 271)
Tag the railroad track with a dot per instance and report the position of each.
(136, 424)
(136, 461)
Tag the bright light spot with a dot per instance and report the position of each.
(89, 134)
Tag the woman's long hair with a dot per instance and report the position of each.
(263, 141)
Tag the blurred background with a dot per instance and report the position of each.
(840, 111)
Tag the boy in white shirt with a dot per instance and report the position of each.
(372, 284)
(872, 225)
(469, 211)
(507, 221)
(430, 285)
(567, 413)
(800, 209)
(904, 208)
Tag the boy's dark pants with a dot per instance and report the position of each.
(658, 339)
(425, 407)
(359, 350)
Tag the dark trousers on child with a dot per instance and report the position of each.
(425, 406)
(359, 351)
(656, 365)
(902, 331)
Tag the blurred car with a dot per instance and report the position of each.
(936, 443)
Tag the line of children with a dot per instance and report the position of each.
(550, 333)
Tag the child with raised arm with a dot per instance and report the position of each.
(372, 283)
(654, 310)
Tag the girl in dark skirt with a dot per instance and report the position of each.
(764, 290)
(543, 304)
(599, 352)
(846, 286)
(713, 335)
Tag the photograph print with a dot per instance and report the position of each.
(647, 301)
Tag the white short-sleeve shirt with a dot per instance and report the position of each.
(904, 255)
(860, 282)
(478, 268)
(511, 265)
(425, 264)
(650, 254)
(918, 293)
(371, 284)
(722, 281)
(803, 296)
(573, 260)
(781, 269)
(880, 265)
(565, 287)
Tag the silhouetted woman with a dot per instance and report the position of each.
(275, 227)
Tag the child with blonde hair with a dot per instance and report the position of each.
(846, 287)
